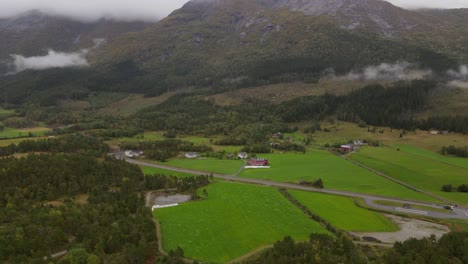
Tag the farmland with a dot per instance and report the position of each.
(232, 221)
(461, 162)
(416, 170)
(151, 171)
(10, 133)
(208, 164)
(335, 172)
(342, 212)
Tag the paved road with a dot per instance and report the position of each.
(458, 213)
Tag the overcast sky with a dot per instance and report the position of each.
(89, 10)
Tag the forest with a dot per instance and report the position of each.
(450, 248)
(71, 198)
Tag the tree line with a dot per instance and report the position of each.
(321, 248)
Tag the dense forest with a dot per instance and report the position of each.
(77, 198)
(451, 248)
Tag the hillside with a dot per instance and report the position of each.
(224, 45)
(33, 33)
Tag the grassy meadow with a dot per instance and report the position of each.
(11, 133)
(151, 171)
(232, 221)
(343, 213)
(335, 172)
(416, 170)
(224, 166)
(461, 162)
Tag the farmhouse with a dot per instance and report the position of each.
(278, 135)
(258, 162)
(358, 143)
(132, 153)
(191, 155)
(347, 147)
(243, 155)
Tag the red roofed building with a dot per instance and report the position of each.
(347, 147)
(258, 162)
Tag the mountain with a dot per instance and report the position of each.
(236, 43)
(207, 42)
(34, 33)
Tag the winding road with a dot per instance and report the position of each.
(456, 213)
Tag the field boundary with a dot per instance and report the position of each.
(310, 214)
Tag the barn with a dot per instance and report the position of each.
(347, 147)
(258, 162)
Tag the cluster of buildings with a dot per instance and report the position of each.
(194, 155)
(352, 146)
(438, 132)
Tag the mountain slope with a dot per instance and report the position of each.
(33, 33)
(233, 40)
(238, 43)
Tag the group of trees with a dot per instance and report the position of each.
(452, 188)
(68, 144)
(450, 248)
(455, 151)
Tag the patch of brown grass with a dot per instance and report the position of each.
(278, 93)
(132, 104)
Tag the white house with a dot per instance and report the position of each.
(191, 155)
(133, 154)
(243, 155)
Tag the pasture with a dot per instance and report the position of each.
(456, 161)
(10, 133)
(335, 172)
(151, 171)
(214, 165)
(416, 170)
(343, 213)
(233, 220)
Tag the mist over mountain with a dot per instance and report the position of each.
(238, 43)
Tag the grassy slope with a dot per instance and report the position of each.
(415, 170)
(208, 164)
(233, 220)
(341, 212)
(151, 171)
(278, 93)
(336, 173)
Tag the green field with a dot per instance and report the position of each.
(151, 170)
(343, 213)
(418, 171)
(335, 172)
(10, 133)
(462, 162)
(232, 221)
(208, 164)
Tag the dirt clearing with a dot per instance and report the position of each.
(409, 228)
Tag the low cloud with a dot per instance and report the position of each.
(386, 71)
(93, 10)
(461, 73)
(459, 78)
(52, 59)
